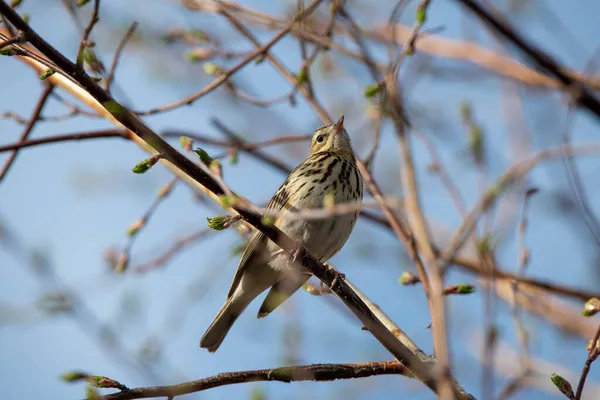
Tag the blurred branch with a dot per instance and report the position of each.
(111, 72)
(576, 89)
(35, 117)
(222, 78)
(300, 373)
(107, 133)
(490, 60)
(592, 356)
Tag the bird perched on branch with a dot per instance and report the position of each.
(327, 177)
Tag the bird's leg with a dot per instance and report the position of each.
(296, 254)
(338, 275)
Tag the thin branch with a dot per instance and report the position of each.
(579, 93)
(108, 133)
(35, 117)
(227, 74)
(111, 72)
(299, 373)
(86, 34)
(592, 356)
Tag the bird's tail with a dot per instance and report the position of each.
(216, 332)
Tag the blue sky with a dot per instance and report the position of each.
(72, 201)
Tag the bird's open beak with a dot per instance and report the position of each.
(339, 126)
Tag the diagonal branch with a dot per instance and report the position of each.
(35, 117)
(579, 93)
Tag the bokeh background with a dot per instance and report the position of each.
(65, 208)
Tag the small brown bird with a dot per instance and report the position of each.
(330, 171)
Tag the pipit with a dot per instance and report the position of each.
(328, 175)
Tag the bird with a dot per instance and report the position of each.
(329, 172)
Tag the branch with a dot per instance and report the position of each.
(592, 356)
(299, 373)
(580, 95)
(35, 117)
(107, 133)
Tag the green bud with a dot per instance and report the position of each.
(591, 307)
(92, 60)
(73, 376)
(204, 157)
(215, 164)
(373, 90)
(421, 14)
(258, 394)
(302, 76)
(228, 201)
(563, 385)
(186, 142)
(234, 158)
(103, 382)
(476, 143)
(134, 228)
(465, 112)
(122, 263)
(210, 68)
(143, 166)
(15, 3)
(7, 51)
(588, 346)
(219, 223)
(47, 74)
(408, 279)
(91, 393)
(26, 18)
(485, 245)
(202, 54)
(465, 288)
(267, 220)
(260, 58)
(97, 78)
(81, 3)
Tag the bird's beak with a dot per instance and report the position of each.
(339, 126)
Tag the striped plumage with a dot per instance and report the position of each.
(329, 172)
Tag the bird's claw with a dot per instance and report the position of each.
(338, 275)
(296, 254)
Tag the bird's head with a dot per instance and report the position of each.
(333, 138)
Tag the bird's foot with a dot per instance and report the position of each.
(296, 254)
(338, 275)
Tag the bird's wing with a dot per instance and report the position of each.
(257, 243)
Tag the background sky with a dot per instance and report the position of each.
(62, 206)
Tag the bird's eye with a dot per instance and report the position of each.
(320, 139)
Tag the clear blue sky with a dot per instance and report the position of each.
(72, 201)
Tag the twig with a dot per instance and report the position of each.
(117, 56)
(578, 92)
(172, 251)
(86, 34)
(35, 117)
(108, 133)
(227, 74)
(299, 373)
(592, 356)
